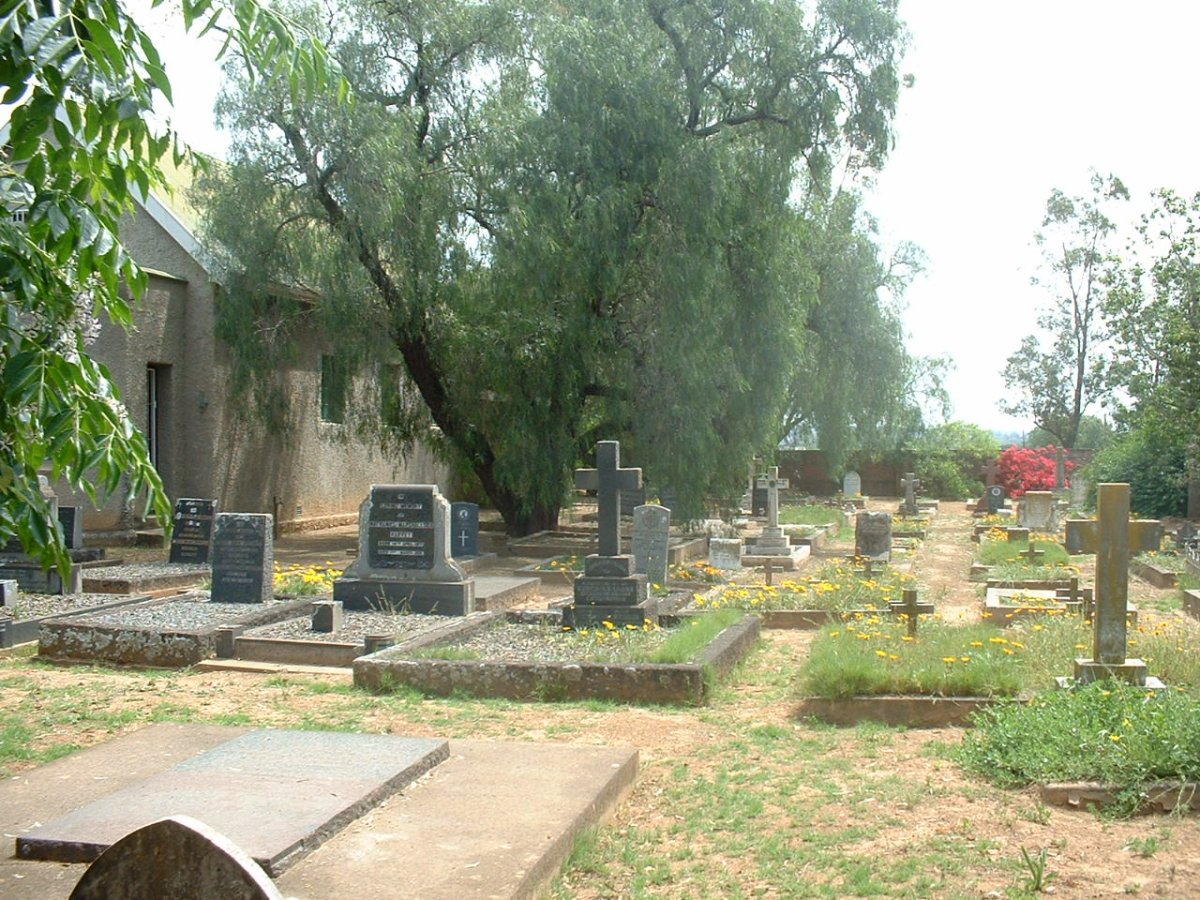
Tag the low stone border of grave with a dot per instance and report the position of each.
(917, 534)
(25, 631)
(997, 611)
(159, 646)
(897, 710)
(1160, 578)
(1029, 584)
(231, 644)
(682, 684)
(1166, 796)
(1191, 603)
(142, 578)
(798, 619)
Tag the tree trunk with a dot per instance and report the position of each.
(1193, 481)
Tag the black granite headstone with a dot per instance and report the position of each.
(995, 498)
(191, 539)
(71, 519)
(464, 529)
(400, 528)
(242, 558)
(759, 504)
(630, 498)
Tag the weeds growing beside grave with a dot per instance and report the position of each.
(1106, 732)
(869, 656)
(836, 586)
(874, 655)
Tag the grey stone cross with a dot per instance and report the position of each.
(1111, 536)
(773, 483)
(608, 479)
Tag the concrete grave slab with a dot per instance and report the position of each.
(276, 794)
(474, 810)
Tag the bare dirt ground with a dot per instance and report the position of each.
(809, 780)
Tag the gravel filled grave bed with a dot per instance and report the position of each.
(189, 611)
(41, 606)
(355, 626)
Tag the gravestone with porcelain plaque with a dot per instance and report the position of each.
(404, 559)
(1112, 536)
(651, 538)
(609, 590)
(191, 537)
(995, 498)
(464, 529)
(242, 558)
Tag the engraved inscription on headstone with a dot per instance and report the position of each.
(400, 528)
(464, 529)
(191, 538)
(651, 536)
(242, 558)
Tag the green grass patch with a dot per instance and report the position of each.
(875, 655)
(1167, 562)
(811, 514)
(1107, 732)
(839, 585)
(684, 642)
(993, 553)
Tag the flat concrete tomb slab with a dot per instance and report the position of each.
(276, 794)
(495, 821)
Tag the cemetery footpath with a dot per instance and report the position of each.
(737, 798)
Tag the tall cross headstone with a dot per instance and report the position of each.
(989, 473)
(609, 593)
(910, 482)
(608, 479)
(1112, 536)
(772, 541)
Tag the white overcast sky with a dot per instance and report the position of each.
(1010, 100)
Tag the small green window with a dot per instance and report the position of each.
(334, 384)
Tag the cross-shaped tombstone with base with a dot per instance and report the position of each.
(772, 538)
(1112, 537)
(609, 593)
(989, 473)
(608, 479)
